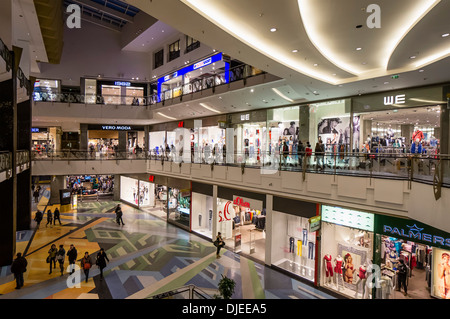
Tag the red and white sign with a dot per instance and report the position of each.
(240, 202)
(225, 213)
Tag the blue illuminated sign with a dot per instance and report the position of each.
(212, 59)
(120, 83)
(35, 130)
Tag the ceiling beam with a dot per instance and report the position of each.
(101, 23)
(105, 9)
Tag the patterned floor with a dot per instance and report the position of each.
(147, 257)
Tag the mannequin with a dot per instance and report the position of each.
(416, 148)
(328, 268)
(361, 280)
(418, 134)
(338, 270)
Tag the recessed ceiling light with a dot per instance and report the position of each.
(358, 49)
(252, 90)
(445, 35)
(421, 71)
(315, 64)
(273, 29)
(386, 82)
(334, 74)
(295, 50)
(412, 57)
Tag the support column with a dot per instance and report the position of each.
(269, 230)
(123, 141)
(84, 137)
(116, 192)
(214, 216)
(56, 184)
(303, 131)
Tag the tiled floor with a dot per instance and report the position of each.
(147, 257)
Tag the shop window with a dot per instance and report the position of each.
(174, 50)
(159, 59)
(191, 44)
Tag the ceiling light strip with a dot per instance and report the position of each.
(282, 95)
(209, 11)
(209, 108)
(433, 58)
(421, 10)
(166, 116)
(318, 38)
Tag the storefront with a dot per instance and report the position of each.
(91, 186)
(137, 192)
(179, 202)
(208, 142)
(108, 139)
(193, 77)
(346, 250)
(424, 250)
(250, 130)
(117, 92)
(171, 140)
(294, 240)
(46, 90)
(241, 219)
(202, 209)
(391, 122)
(40, 139)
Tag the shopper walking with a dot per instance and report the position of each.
(36, 195)
(402, 273)
(18, 267)
(72, 256)
(219, 243)
(320, 153)
(38, 218)
(86, 264)
(49, 218)
(101, 261)
(56, 216)
(119, 215)
(60, 256)
(51, 259)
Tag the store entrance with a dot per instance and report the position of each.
(242, 223)
(416, 257)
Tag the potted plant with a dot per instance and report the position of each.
(226, 288)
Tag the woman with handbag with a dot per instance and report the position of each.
(86, 264)
(51, 259)
(219, 243)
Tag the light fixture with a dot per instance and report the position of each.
(295, 51)
(315, 64)
(168, 117)
(358, 49)
(445, 35)
(282, 95)
(273, 29)
(412, 57)
(421, 71)
(209, 108)
(252, 90)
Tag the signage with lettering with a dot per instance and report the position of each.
(240, 202)
(35, 130)
(202, 63)
(181, 124)
(245, 117)
(395, 99)
(151, 178)
(116, 128)
(412, 230)
(225, 214)
(348, 217)
(121, 83)
(314, 223)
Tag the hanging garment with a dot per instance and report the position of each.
(291, 244)
(338, 267)
(299, 248)
(329, 267)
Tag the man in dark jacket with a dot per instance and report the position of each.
(18, 267)
(56, 216)
(402, 272)
(72, 256)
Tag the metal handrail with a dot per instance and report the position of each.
(240, 72)
(73, 155)
(184, 292)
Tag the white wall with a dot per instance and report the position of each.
(93, 50)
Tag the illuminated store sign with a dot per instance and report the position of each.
(170, 76)
(411, 230)
(202, 63)
(348, 217)
(116, 128)
(397, 99)
(245, 117)
(120, 83)
(35, 130)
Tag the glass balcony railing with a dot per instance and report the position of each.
(237, 73)
(185, 292)
(430, 169)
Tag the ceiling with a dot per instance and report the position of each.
(338, 54)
